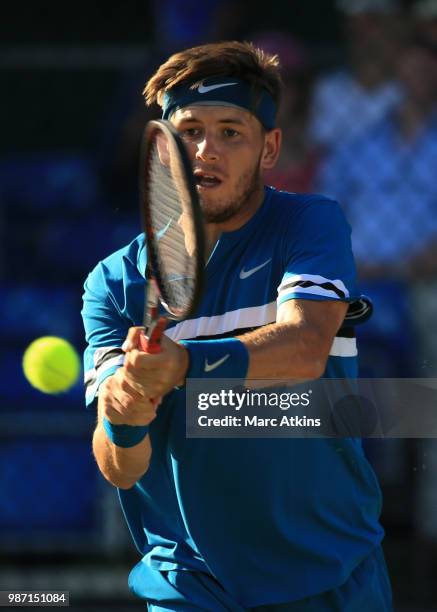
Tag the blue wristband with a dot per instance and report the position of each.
(225, 358)
(125, 436)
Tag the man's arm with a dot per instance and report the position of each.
(121, 402)
(122, 467)
(298, 344)
(295, 347)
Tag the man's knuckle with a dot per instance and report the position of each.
(128, 403)
(124, 385)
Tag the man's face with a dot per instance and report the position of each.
(226, 147)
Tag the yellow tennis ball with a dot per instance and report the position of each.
(51, 364)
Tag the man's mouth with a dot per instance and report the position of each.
(207, 181)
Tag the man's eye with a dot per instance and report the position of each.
(191, 133)
(230, 133)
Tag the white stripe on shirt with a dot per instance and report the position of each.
(344, 347)
(253, 316)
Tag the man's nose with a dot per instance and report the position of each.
(207, 150)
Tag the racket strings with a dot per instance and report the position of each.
(174, 251)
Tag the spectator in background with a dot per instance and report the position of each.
(297, 165)
(349, 101)
(386, 178)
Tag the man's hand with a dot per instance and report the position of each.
(122, 405)
(131, 395)
(154, 375)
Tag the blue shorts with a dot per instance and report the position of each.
(367, 589)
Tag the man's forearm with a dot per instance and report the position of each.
(284, 351)
(297, 346)
(122, 467)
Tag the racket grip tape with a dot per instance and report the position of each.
(152, 343)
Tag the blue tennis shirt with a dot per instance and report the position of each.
(272, 520)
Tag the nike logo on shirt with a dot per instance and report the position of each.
(209, 367)
(246, 273)
(205, 88)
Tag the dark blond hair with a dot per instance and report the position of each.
(231, 59)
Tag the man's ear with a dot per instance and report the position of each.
(272, 148)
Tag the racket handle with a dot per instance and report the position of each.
(152, 344)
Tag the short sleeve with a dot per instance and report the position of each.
(105, 332)
(319, 262)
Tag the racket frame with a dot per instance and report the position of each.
(155, 287)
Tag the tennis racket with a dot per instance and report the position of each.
(174, 232)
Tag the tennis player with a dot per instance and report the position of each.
(236, 524)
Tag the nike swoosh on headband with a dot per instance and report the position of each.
(205, 88)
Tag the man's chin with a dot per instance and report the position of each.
(216, 210)
(218, 215)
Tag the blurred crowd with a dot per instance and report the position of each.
(359, 126)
